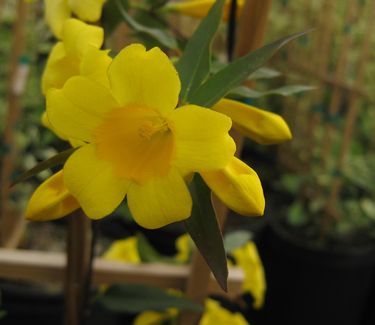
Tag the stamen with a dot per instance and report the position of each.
(149, 128)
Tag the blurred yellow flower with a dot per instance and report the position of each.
(248, 259)
(57, 11)
(155, 317)
(125, 250)
(136, 142)
(214, 314)
(200, 8)
(183, 248)
(51, 200)
(261, 126)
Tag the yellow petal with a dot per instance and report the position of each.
(261, 126)
(77, 109)
(183, 248)
(92, 183)
(77, 36)
(125, 250)
(200, 8)
(51, 200)
(59, 68)
(201, 139)
(214, 314)
(87, 10)
(145, 78)
(56, 12)
(160, 201)
(238, 186)
(248, 259)
(150, 318)
(95, 65)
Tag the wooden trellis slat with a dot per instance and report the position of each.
(50, 267)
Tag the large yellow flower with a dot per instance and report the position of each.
(136, 143)
(200, 8)
(57, 11)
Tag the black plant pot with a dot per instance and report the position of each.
(315, 286)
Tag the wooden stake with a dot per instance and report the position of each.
(10, 222)
(250, 36)
(78, 267)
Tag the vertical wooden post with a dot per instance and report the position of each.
(9, 223)
(78, 267)
(250, 36)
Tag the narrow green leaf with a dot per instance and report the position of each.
(220, 84)
(289, 90)
(58, 159)
(236, 239)
(136, 298)
(111, 16)
(264, 73)
(205, 231)
(149, 254)
(162, 36)
(194, 64)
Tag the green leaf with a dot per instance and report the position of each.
(205, 231)
(149, 254)
(235, 73)
(136, 298)
(111, 16)
(236, 239)
(264, 73)
(58, 159)
(162, 36)
(194, 64)
(243, 91)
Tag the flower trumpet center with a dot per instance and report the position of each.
(137, 141)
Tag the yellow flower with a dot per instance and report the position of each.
(183, 248)
(125, 250)
(200, 8)
(238, 186)
(76, 54)
(248, 259)
(136, 143)
(261, 126)
(51, 200)
(155, 317)
(57, 11)
(216, 315)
